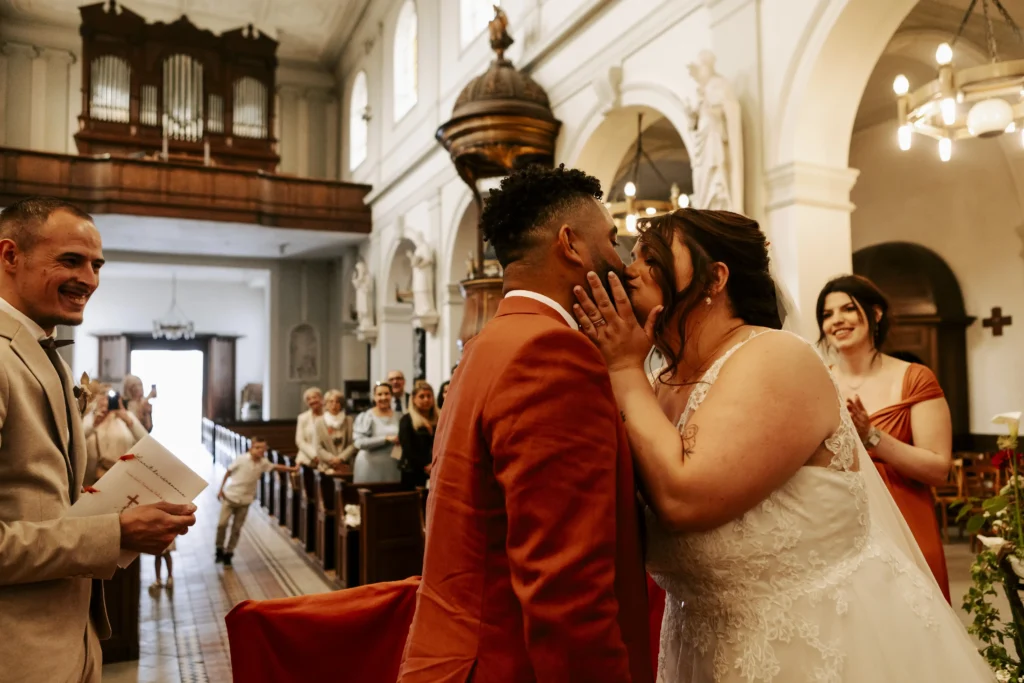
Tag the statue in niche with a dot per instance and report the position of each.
(362, 280)
(303, 354)
(422, 260)
(714, 139)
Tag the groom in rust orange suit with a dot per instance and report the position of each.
(534, 568)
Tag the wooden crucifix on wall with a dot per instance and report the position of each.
(997, 321)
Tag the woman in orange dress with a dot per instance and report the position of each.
(898, 407)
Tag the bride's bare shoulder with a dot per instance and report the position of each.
(781, 359)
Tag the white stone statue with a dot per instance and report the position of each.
(422, 260)
(363, 282)
(715, 139)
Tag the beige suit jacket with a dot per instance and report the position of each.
(48, 562)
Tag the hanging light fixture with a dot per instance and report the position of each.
(982, 101)
(174, 324)
(629, 209)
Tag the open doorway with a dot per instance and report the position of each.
(178, 407)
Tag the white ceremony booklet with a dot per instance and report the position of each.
(148, 473)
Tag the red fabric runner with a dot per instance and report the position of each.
(357, 634)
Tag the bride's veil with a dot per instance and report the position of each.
(885, 516)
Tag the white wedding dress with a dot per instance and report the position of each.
(821, 582)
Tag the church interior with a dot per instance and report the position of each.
(288, 196)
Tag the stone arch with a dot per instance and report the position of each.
(826, 79)
(607, 132)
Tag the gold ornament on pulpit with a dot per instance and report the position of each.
(502, 121)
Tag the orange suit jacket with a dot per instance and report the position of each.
(533, 568)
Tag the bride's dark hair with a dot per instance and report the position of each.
(712, 237)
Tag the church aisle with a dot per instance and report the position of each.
(182, 632)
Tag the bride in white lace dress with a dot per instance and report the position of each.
(784, 560)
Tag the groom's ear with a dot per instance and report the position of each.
(569, 245)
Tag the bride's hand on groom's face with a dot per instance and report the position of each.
(610, 323)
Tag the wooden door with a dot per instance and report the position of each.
(220, 379)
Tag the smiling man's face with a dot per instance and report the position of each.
(52, 278)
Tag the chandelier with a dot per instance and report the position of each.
(629, 209)
(174, 324)
(981, 101)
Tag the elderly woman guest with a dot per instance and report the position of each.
(898, 407)
(376, 435)
(309, 438)
(416, 436)
(136, 403)
(338, 431)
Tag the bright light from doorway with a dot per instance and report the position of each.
(178, 407)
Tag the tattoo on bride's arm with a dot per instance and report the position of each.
(689, 438)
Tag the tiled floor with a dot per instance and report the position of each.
(183, 637)
(182, 633)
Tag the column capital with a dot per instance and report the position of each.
(809, 184)
(54, 55)
(12, 49)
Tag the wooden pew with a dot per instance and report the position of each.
(391, 547)
(327, 516)
(281, 487)
(305, 482)
(347, 543)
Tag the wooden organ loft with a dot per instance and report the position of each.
(176, 91)
(179, 122)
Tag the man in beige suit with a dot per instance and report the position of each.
(51, 599)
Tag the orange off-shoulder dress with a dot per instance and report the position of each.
(914, 498)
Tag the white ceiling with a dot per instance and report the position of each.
(309, 30)
(209, 238)
(124, 270)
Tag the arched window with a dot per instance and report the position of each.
(358, 125)
(406, 57)
(474, 16)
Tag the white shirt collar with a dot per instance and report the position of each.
(30, 325)
(569, 320)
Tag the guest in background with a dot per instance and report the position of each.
(110, 431)
(338, 427)
(899, 408)
(442, 394)
(376, 435)
(400, 399)
(416, 436)
(244, 473)
(137, 404)
(307, 439)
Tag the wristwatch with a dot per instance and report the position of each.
(874, 436)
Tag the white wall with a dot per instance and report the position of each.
(216, 307)
(968, 212)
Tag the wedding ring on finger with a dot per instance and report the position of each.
(599, 322)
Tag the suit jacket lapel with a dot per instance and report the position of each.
(38, 363)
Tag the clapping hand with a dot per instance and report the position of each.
(860, 417)
(613, 327)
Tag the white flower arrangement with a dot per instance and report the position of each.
(353, 517)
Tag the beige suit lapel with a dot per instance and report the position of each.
(38, 363)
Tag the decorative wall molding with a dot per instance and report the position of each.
(809, 184)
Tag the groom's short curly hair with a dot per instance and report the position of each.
(528, 200)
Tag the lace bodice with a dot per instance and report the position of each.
(747, 596)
